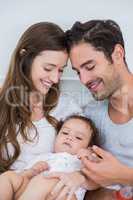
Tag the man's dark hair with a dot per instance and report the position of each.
(103, 35)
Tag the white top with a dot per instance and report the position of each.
(58, 162)
(46, 133)
(61, 162)
(115, 138)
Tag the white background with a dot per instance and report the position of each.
(17, 15)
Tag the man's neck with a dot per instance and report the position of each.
(121, 102)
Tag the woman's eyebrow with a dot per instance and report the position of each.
(53, 65)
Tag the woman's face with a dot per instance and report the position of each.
(47, 68)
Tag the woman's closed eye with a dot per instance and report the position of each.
(47, 69)
(61, 71)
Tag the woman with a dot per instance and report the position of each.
(30, 100)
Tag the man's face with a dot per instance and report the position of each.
(95, 71)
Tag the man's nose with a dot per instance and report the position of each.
(84, 77)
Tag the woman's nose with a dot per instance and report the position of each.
(55, 77)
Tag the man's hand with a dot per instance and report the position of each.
(105, 172)
(88, 154)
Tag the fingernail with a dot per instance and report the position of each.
(79, 157)
(94, 147)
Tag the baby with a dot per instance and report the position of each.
(74, 136)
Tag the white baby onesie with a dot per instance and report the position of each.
(61, 162)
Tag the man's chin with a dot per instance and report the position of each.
(99, 97)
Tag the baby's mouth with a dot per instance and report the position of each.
(67, 144)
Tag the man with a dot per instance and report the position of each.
(97, 53)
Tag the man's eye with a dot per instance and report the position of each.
(79, 138)
(89, 68)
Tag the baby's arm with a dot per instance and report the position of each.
(37, 168)
(13, 184)
(9, 184)
(28, 174)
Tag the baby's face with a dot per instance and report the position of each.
(74, 135)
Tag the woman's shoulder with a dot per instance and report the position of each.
(66, 106)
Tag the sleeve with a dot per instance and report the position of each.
(80, 193)
(37, 159)
(67, 106)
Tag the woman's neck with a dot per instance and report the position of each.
(36, 106)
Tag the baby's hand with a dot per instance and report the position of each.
(89, 154)
(39, 167)
(36, 169)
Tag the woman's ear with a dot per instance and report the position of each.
(118, 54)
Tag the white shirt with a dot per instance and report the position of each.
(46, 133)
(61, 162)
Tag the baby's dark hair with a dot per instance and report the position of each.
(95, 134)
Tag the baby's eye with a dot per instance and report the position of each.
(79, 138)
(64, 133)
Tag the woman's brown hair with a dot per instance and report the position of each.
(15, 111)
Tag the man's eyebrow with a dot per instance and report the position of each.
(74, 68)
(83, 64)
(86, 63)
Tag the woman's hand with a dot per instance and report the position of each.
(107, 171)
(67, 185)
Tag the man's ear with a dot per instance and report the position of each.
(118, 54)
